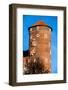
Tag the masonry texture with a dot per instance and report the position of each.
(39, 57)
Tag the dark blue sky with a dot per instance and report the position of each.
(29, 20)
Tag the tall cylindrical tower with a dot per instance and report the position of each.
(40, 45)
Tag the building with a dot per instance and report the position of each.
(40, 46)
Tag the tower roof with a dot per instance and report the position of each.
(40, 23)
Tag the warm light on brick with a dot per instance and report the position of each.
(41, 36)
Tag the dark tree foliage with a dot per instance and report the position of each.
(35, 67)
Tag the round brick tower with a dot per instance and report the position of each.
(40, 45)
